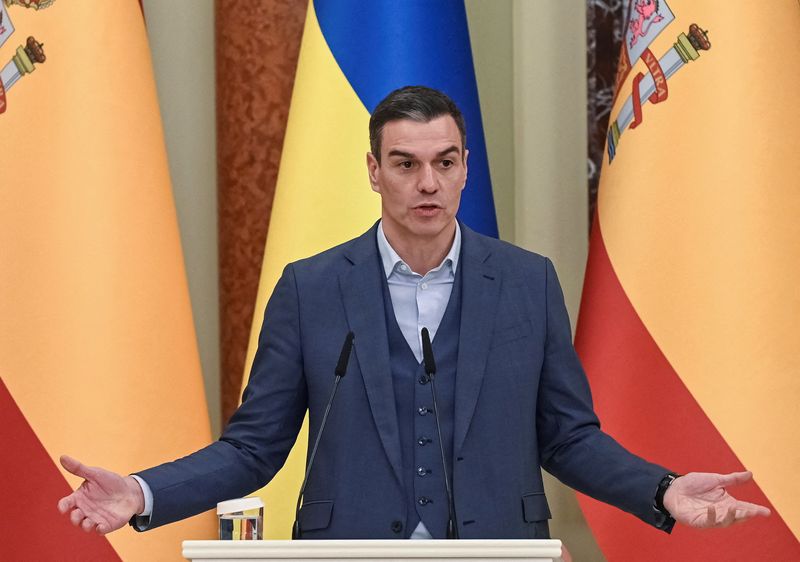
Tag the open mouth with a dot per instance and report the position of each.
(427, 209)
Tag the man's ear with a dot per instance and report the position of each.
(373, 169)
(466, 169)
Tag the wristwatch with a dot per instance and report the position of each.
(668, 521)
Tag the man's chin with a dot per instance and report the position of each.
(431, 227)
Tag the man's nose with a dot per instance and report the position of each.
(427, 179)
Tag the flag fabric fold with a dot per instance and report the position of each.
(98, 357)
(688, 324)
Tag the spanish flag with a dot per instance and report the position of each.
(352, 55)
(689, 327)
(98, 357)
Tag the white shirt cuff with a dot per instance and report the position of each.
(148, 496)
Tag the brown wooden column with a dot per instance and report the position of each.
(605, 28)
(257, 44)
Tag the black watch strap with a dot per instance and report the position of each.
(665, 483)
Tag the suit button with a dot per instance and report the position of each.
(423, 411)
(422, 441)
(422, 471)
(397, 526)
(423, 500)
(423, 379)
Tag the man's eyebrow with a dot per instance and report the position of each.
(403, 154)
(448, 150)
(400, 153)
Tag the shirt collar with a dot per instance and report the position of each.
(390, 258)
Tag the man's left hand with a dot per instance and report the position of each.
(700, 500)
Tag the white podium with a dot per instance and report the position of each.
(390, 550)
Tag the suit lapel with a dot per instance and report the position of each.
(362, 295)
(479, 295)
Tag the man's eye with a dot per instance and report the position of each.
(447, 163)
(406, 165)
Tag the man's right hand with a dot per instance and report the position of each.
(104, 502)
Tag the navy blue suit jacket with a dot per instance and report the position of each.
(522, 402)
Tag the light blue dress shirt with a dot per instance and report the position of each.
(419, 301)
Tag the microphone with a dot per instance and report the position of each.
(430, 370)
(344, 357)
(339, 372)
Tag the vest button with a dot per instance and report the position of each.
(423, 500)
(422, 441)
(423, 411)
(422, 471)
(423, 379)
(397, 526)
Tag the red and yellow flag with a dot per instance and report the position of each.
(690, 321)
(98, 357)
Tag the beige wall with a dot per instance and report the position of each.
(549, 85)
(532, 85)
(551, 183)
(490, 31)
(181, 35)
(532, 90)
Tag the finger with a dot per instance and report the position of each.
(76, 516)
(753, 508)
(729, 517)
(66, 503)
(735, 478)
(88, 525)
(745, 514)
(103, 528)
(742, 516)
(74, 466)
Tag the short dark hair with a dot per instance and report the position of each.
(418, 103)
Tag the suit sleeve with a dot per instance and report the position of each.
(573, 447)
(259, 436)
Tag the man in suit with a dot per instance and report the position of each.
(512, 395)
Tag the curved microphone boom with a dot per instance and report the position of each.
(339, 372)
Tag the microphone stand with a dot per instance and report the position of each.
(430, 370)
(341, 368)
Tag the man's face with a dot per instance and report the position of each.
(422, 172)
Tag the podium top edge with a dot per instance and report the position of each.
(395, 549)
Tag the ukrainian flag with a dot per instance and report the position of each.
(353, 54)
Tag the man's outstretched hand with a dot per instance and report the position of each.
(700, 500)
(104, 502)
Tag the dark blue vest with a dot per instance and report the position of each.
(422, 462)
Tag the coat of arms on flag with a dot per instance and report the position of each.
(648, 18)
(26, 56)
